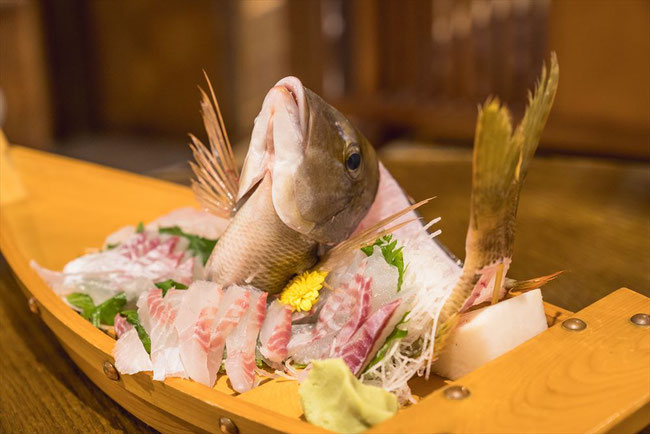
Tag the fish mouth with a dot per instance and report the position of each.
(297, 106)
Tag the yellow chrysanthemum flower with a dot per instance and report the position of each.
(302, 291)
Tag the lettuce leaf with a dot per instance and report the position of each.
(97, 315)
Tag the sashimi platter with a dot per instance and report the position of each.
(306, 279)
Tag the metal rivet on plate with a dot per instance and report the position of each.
(110, 371)
(228, 426)
(33, 305)
(574, 324)
(641, 319)
(457, 392)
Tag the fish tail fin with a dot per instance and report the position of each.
(520, 286)
(501, 159)
(216, 177)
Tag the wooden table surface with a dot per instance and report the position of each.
(589, 217)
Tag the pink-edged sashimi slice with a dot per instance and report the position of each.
(276, 332)
(356, 351)
(130, 355)
(157, 315)
(241, 343)
(194, 326)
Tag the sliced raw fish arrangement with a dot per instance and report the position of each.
(200, 355)
(241, 342)
(276, 332)
(158, 314)
(314, 252)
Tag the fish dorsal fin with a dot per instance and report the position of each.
(216, 176)
(501, 160)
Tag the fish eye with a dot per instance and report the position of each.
(354, 161)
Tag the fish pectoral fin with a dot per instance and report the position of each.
(214, 167)
(516, 287)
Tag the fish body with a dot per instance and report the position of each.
(308, 179)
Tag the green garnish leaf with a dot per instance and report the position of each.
(112, 246)
(83, 302)
(395, 335)
(392, 255)
(168, 284)
(198, 245)
(140, 228)
(107, 310)
(102, 314)
(132, 318)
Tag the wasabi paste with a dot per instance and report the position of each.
(333, 398)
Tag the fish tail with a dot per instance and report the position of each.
(500, 162)
(214, 167)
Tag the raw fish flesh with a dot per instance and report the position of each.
(275, 332)
(241, 343)
(130, 355)
(194, 327)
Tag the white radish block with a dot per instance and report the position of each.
(485, 334)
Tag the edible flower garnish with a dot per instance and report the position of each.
(302, 291)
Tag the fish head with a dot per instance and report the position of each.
(324, 172)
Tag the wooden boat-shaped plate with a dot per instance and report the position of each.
(592, 380)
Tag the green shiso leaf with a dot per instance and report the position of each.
(140, 228)
(97, 315)
(395, 335)
(132, 318)
(198, 245)
(168, 284)
(83, 302)
(112, 246)
(392, 255)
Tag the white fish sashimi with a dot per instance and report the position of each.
(276, 332)
(361, 310)
(356, 351)
(232, 307)
(121, 325)
(157, 315)
(194, 326)
(130, 355)
(192, 221)
(241, 343)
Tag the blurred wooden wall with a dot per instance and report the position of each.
(414, 69)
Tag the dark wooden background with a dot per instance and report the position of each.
(403, 69)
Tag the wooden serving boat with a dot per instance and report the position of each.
(592, 380)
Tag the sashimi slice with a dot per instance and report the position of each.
(130, 355)
(234, 303)
(192, 221)
(240, 344)
(362, 295)
(276, 332)
(194, 325)
(121, 325)
(355, 353)
(157, 315)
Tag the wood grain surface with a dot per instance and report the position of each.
(588, 217)
(562, 381)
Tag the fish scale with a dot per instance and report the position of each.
(258, 248)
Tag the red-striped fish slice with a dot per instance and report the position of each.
(276, 332)
(356, 351)
(157, 315)
(362, 294)
(194, 325)
(120, 325)
(240, 344)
